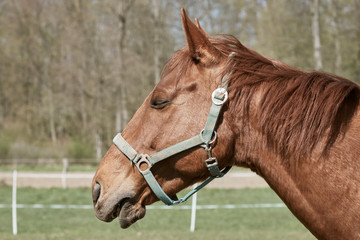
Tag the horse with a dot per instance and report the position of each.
(298, 130)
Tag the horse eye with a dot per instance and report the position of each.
(159, 103)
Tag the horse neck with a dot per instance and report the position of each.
(309, 186)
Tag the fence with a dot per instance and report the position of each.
(64, 176)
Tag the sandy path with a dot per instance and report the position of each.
(80, 179)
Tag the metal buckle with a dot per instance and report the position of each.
(211, 141)
(211, 162)
(212, 165)
(219, 96)
(144, 159)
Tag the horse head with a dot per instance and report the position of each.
(177, 109)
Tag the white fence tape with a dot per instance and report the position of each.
(153, 207)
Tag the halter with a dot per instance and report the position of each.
(205, 139)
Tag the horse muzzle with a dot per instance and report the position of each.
(116, 203)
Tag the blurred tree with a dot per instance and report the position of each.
(284, 32)
(334, 22)
(121, 10)
(314, 6)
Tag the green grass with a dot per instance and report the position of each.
(256, 223)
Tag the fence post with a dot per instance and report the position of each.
(64, 171)
(14, 207)
(193, 210)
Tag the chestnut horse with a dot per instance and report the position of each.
(300, 131)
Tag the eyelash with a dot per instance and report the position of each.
(160, 103)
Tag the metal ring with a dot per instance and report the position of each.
(212, 140)
(144, 159)
(219, 91)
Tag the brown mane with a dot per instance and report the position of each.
(297, 109)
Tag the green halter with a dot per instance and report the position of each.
(205, 139)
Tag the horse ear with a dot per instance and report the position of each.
(200, 47)
(197, 23)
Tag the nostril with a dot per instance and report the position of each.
(96, 192)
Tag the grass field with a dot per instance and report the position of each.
(251, 223)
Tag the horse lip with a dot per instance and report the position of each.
(117, 208)
(130, 213)
(108, 209)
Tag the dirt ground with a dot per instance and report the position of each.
(80, 179)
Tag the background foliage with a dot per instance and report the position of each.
(72, 73)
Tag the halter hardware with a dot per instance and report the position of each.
(143, 158)
(219, 96)
(205, 139)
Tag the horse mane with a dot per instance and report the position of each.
(297, 109)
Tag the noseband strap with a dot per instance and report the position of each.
(205, 139)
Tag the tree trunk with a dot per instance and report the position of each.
(82, 98)
(121, 101)
(52, 115)
(316, 34)
(98, 145)
(156, 5)
(335, 32)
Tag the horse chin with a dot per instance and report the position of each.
(129, 213)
